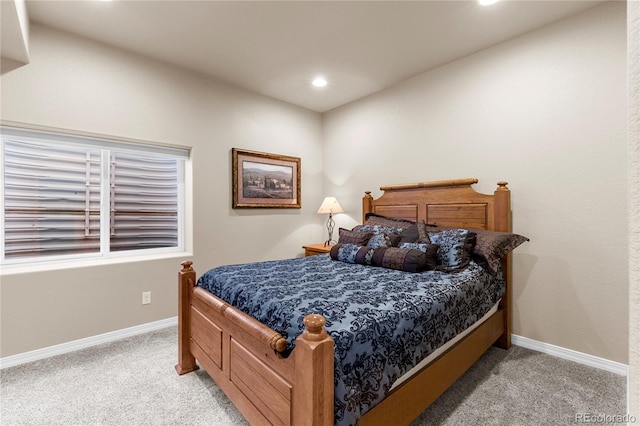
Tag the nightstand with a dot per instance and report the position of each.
(313, 249)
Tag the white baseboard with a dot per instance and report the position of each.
(571, 355)
(38, 354)
(75, 345)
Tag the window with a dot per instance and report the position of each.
(68, 196)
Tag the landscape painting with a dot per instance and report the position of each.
(262, 180)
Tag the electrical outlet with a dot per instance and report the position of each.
(146, 297)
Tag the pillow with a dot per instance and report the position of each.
(431, 250)
(407, 260)
(455, 249)
(353, 237)
(351, 253)
(383, 236)
(389, 222)
(382, 239)
(491, 246)
(409, 235)
(417, 231)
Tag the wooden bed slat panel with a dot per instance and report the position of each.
(224, 316)
(244, 404)
(205, 304)
(466, 215)
(208, 335)
(267, 390)
(408, 212)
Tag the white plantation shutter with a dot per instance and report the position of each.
(144, 199)
(51, 200)
(67, 196)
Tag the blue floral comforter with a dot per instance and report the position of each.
(383, 321)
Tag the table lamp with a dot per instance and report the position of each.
(330, 205)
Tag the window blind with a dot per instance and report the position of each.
(51, 200)
(62, 198)
(144, 202)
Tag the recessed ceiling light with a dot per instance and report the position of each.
(487, 2)
(319, 82)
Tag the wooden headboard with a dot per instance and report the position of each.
(445, 203)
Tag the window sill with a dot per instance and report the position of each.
(88, 262)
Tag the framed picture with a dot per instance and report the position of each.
(262, 180)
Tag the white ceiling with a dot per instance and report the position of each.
(277, 48)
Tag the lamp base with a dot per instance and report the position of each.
(330, 225)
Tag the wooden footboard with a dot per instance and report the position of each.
(246, 359)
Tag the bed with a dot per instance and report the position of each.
(298, 379)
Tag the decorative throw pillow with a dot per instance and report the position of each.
(455, 249)
(353, 237)
(491, 246)
(408, 260)
(417, 231)
(409, 235)
(384, 240)
(431, 250)
(352, 253)
(382, 236)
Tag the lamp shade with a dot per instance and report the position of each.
(330, 205)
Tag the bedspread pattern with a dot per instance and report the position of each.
(383, 321)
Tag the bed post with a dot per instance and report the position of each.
(314, 385)
(186, 282)
(502, 222)
(502, 208)
(366, 204)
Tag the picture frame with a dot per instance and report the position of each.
(263, 180)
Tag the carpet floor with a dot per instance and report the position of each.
(133, 382)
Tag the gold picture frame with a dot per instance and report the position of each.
(263, 180)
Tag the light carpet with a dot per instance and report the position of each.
(133, 382)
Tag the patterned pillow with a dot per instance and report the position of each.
(352, 253)
(417, 231)
(409, 235)
(431, 250)
(384, 240)
(455, 249)
(353, 237)
(408, 260)
(383, 236)
(491, 246)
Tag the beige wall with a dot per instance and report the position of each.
(546, 112)
(75, 84)
(633, 95)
